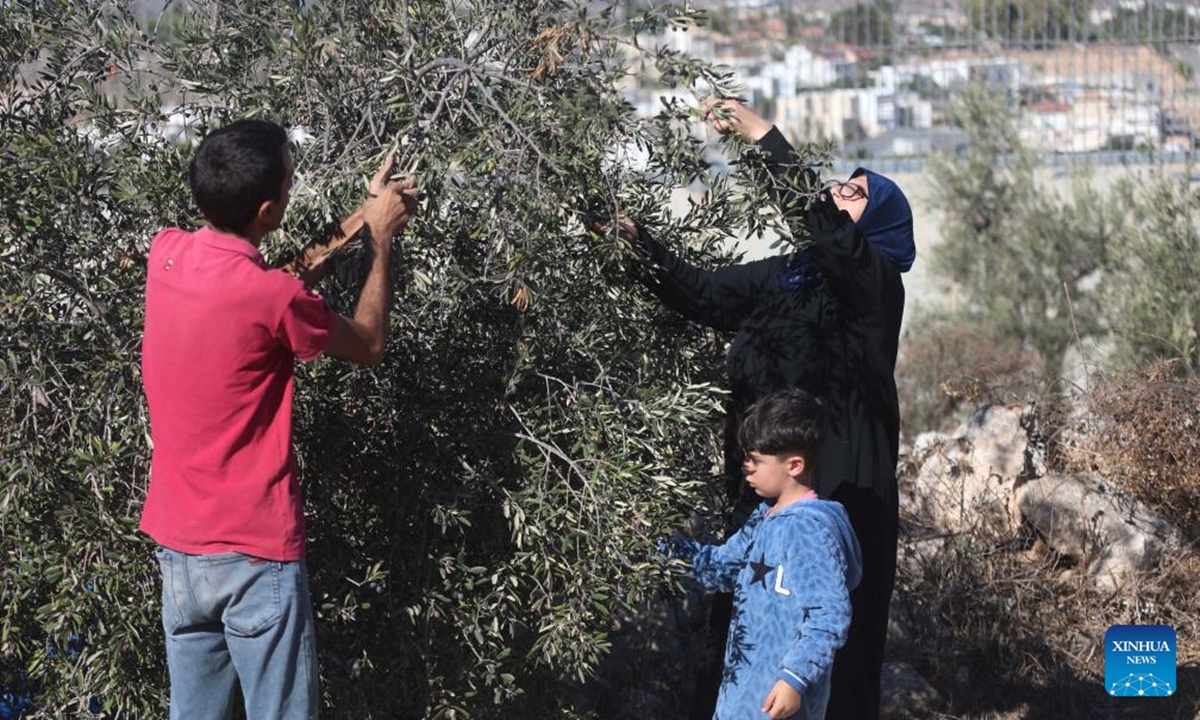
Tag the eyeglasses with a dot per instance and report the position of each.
(848, 191)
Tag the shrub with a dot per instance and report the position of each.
(1026, 261)
(1142, 431)
(948, 362)
(1003, 631)
(1152, 295)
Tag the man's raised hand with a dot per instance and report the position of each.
(391, 204)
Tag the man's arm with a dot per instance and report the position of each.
(310, 264)
(362, 337)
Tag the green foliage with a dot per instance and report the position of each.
(1026, 261)
(1031, 23)
(866, 25)
(481, 504)
(1152, 295)
(1185, 70)
(1046, 271)
(1155, 24)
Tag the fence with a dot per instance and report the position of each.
(1107, 82)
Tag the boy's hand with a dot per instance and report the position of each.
(783, 702)
(675, 547)
(391, 203)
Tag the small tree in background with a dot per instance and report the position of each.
(866, 25)
(481, 504)
(1026, 261)
(1030, 23)
(1044, 272)
(1152, 295)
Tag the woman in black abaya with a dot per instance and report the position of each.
(825, 319)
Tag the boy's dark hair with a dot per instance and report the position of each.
(784, 422)
(236, 169)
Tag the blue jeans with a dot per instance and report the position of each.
(230, 618)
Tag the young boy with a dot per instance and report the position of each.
(790, 568)
(223, 331)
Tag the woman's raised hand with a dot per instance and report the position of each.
(730, 116)
(625, 226)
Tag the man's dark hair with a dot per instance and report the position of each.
(236, 169)
(784, 422)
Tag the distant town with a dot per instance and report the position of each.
(881, 79)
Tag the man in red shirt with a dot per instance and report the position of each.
(223, 331)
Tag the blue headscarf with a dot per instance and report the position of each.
(886, 222)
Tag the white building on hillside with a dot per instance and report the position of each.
(839, 114)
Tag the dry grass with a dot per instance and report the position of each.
(1006, 629)
(947, 364)
(1142, 430)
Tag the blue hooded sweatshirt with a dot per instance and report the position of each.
(791, 573)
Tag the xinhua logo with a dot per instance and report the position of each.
(1139, 660)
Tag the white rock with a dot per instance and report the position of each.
(927, 440)
(1086, 519)
(967, 478)
(300, 136)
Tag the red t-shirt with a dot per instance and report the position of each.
(222, 334)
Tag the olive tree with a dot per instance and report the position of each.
(1025, 260)
(1153, 296)
(481, 504)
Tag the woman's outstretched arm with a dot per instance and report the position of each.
(720, 298)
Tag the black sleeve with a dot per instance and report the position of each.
(785, 173)
(720, 298)
(858, 274)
